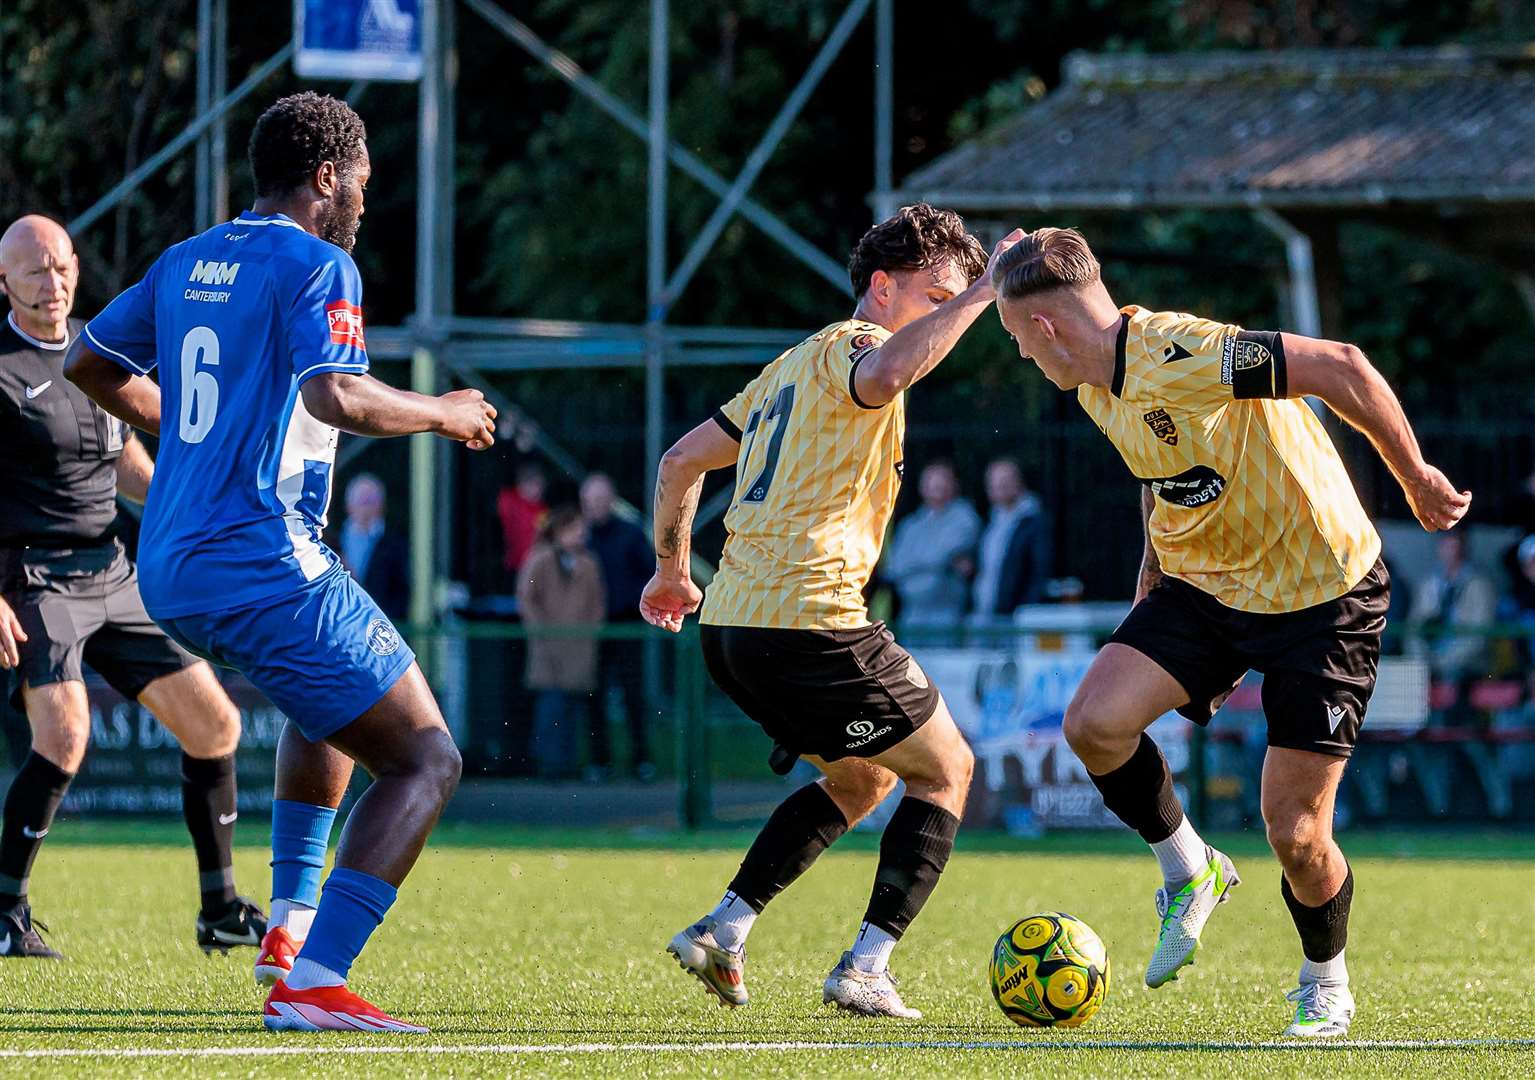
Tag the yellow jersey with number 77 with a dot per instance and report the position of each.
(816, 482)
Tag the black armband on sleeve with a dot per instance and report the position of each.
(1253, 365)
(864, 346)
(725, 425)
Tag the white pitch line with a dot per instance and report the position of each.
(512, 1049)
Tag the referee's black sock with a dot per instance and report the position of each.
(912, 853)
(208, 805)
(29, 808)
(804, 825)
(1140, 793)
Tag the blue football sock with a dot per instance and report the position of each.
(352, 908)
(300, 834)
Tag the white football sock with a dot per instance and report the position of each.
(733, 918)
(872, 948)
(1327, 971)
(1182, 855)
(292, 916)
(307, 974)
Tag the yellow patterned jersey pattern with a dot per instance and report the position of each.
(816, 481)
(1253, 505)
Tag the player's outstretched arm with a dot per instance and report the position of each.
(362, 405)
(1343, 377)
(920, 346)
(671, 594)
(133, 399)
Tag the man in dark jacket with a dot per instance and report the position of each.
(1015, 552)
(624, 553)
(376, 557)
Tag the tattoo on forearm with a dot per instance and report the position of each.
(677, 530)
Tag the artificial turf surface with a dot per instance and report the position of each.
(523, 944)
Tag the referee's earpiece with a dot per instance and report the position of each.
(7, 287)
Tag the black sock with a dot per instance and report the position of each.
(1140, 793)
(804, 825)
(208, 804)
(29, 808)
(1323, 930)
(912, 853)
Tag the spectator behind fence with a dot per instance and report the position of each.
(560, 585)
(1014, 557)
(1523, 512)
(1519, 605)
(521, 509)
(932, 557)
(624, 554)
(1457, 597)
(375, 555)
(1399, 610)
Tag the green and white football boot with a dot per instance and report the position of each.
(1322, 1010)
(1184, 910)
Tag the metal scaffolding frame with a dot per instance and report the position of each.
(479, 346)
(441, 344)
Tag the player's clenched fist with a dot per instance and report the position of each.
(469, 419)
(666, 601)
(1435, 501)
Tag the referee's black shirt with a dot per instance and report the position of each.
(58, 480)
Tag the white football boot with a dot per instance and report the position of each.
(1323, 1010)
(867, 993)
(1184, 912)
(720, 970)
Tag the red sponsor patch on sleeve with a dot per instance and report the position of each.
(345, 321)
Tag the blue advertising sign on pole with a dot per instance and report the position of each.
(357, 39)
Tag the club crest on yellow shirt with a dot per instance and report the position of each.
(1162, 426)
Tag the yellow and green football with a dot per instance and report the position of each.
(1049, 970)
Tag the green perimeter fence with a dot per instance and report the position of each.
(644, 736)
(1434, 748)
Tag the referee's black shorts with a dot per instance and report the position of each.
(1318, 663)
(82, 605)
(830, 693)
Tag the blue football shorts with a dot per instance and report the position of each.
(324, 654)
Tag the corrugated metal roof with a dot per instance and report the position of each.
(1336, 127)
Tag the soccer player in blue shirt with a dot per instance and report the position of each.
(256, 326)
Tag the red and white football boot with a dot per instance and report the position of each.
(328, 1008)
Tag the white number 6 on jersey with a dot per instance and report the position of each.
(199, 389)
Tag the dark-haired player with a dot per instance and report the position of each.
(69, 596)
(1257, 556)
(816, 440)
(256, 326)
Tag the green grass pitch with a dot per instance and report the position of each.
(544, 952)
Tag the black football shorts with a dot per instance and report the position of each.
(830, 693)
(1318, 664)
(83, 605)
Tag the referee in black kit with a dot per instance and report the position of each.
(69, 594)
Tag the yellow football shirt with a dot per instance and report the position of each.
(816, 482)
(1253, 505)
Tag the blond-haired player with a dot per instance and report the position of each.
(1258, 556)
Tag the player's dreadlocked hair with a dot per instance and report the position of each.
(917, 236)
(299, 132)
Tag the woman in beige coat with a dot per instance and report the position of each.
(558, 588)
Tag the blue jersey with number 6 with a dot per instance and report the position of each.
(236, 320)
